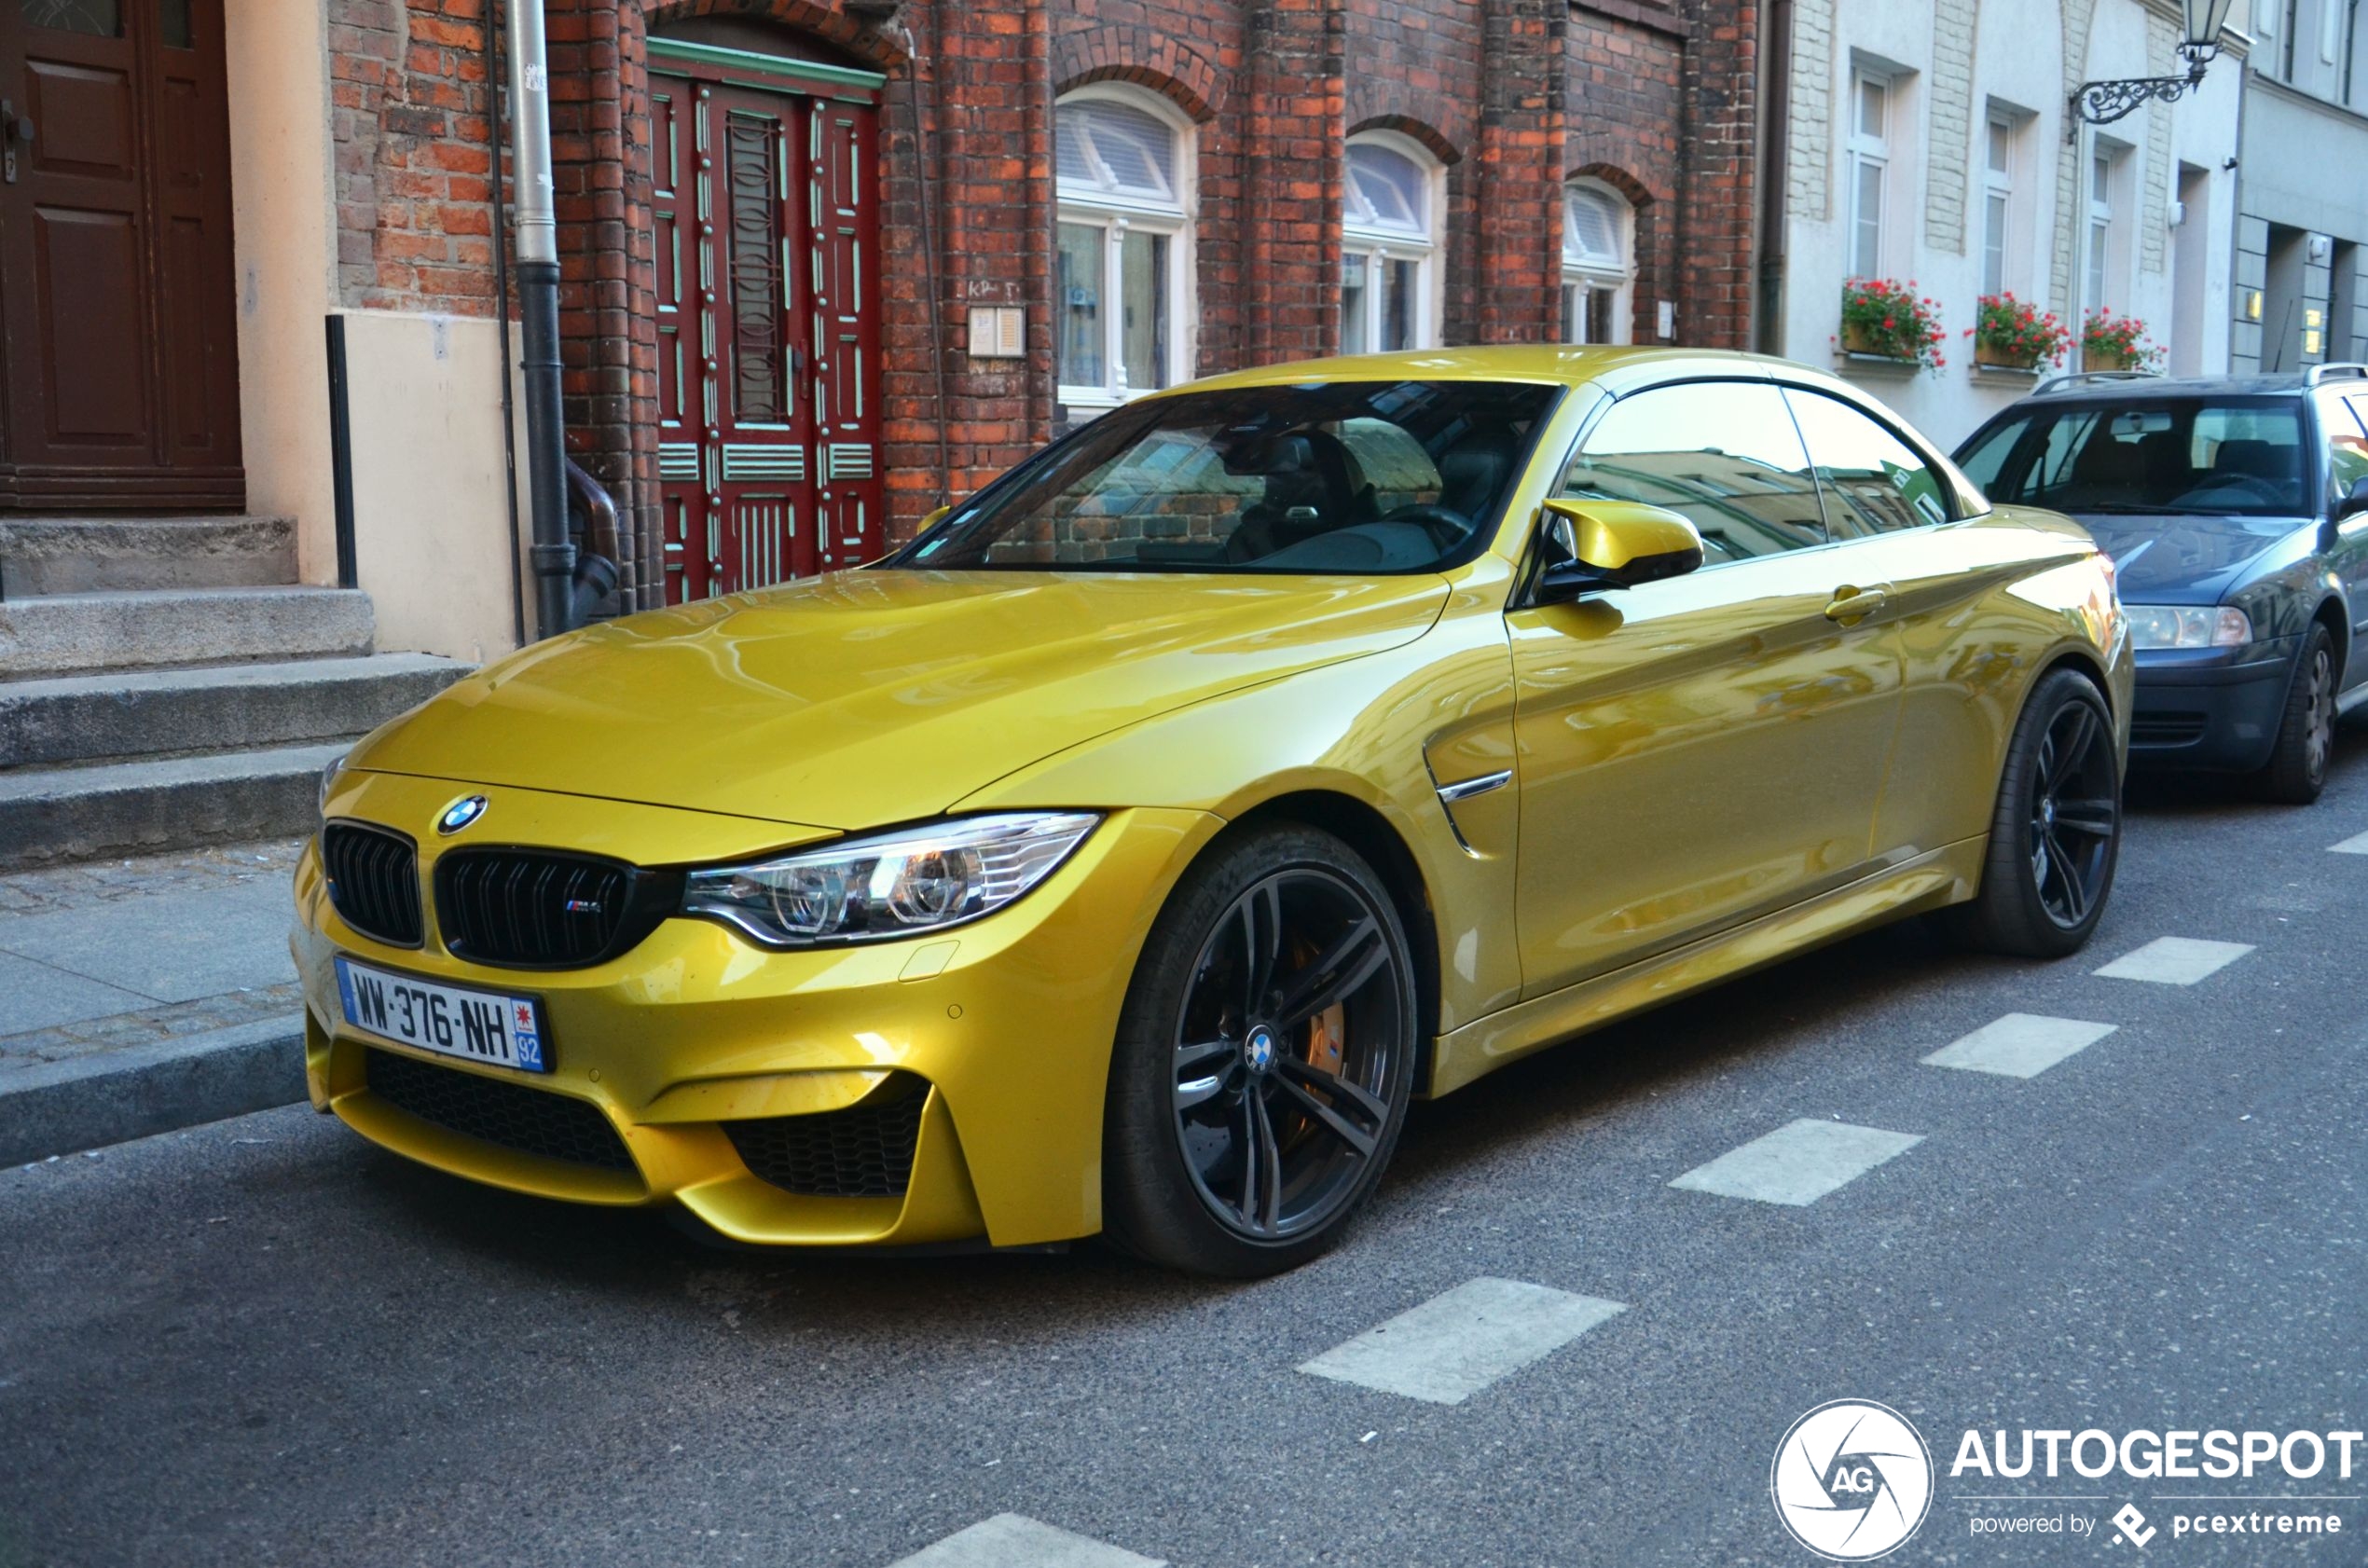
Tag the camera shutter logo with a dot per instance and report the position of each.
(1853, 1481)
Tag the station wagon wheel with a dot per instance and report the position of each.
(2075, 814)
(2055, 833)
(1284, 1059)
(2298, 767)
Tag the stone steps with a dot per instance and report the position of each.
(124, 714)
(49, 815)
(64, 634)
(42, 555)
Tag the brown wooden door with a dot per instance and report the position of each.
(117, 293)
(768, 334)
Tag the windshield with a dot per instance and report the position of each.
(1363, 478)
(2239, 456)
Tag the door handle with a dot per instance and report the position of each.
(16, 132)
(1852, 605)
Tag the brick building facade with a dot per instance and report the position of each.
(1237, 127)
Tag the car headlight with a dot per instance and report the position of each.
(2178, 625)
(329, 782)
(891, 884)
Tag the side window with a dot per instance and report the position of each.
(2346, 422)
(1722, 454)
(1874, 482)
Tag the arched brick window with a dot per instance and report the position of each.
(1389, 245)
(1122, 163)
(1599, 264)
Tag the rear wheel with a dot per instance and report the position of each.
(2298, 767)
(1264, 1059)
(2056, 832)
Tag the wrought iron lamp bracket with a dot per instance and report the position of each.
(2103, 103)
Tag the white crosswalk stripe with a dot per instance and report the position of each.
(2020, 1045)
(2356, 845)
(2175, 960)
(1458, 1343)
(1798, 1163)
(1017, 1541)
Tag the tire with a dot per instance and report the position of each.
(2297, 768)
(1211, 1093)
(2054, 834)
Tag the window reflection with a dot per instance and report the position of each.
(1874, 482)
(1722, 454)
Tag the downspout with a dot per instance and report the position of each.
(535, 229)
(925, 168)
(495, 119)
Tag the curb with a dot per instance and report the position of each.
(61, 1108)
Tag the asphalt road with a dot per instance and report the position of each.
(264, 1342)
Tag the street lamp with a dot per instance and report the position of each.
(2102, 102)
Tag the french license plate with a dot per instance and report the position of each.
(448, 1020)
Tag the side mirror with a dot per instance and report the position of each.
(934, 518)
(2355, 500)
(1591, 546)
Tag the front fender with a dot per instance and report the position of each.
(1369, 728)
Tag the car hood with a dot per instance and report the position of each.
(2182, 559)
(880, 696)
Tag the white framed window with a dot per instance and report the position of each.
(1599, 264)
(1998, 202)
(2105, 262)
(1870, 161)
(1122, 168)
(1389, 249)
(2332, 15)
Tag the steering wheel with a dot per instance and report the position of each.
(1447, 527)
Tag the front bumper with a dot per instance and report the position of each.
(1005, 1026)
(2210, 709)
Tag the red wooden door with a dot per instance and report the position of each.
(116, 260)
(768, 334)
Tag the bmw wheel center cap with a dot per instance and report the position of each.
(1259, 1049)
(460, 814)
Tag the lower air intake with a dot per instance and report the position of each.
(863, 1151)
(530, 1120)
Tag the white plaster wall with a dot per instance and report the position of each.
(285, 260)
(431, 532)
(1935, 236)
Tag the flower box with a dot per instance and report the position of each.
(1999, 359)
(1890, 321)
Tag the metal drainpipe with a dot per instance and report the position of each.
(536, 230)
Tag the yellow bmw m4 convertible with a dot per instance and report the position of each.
(1124, 854)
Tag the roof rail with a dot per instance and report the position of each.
(2086, 378)
(2319, 373)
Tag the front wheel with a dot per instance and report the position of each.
(2298, 767)
(2056, 832)
(1264, 1059)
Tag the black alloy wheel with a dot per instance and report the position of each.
(2054, 834)
(2297, 768)
(1265, 1061)
(2075, 814)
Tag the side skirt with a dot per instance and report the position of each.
(1947, 875)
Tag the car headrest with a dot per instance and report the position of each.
(2258, 460)
(1473, 471)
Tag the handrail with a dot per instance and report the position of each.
(595, 576)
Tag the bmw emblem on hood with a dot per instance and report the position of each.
(460, 814)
